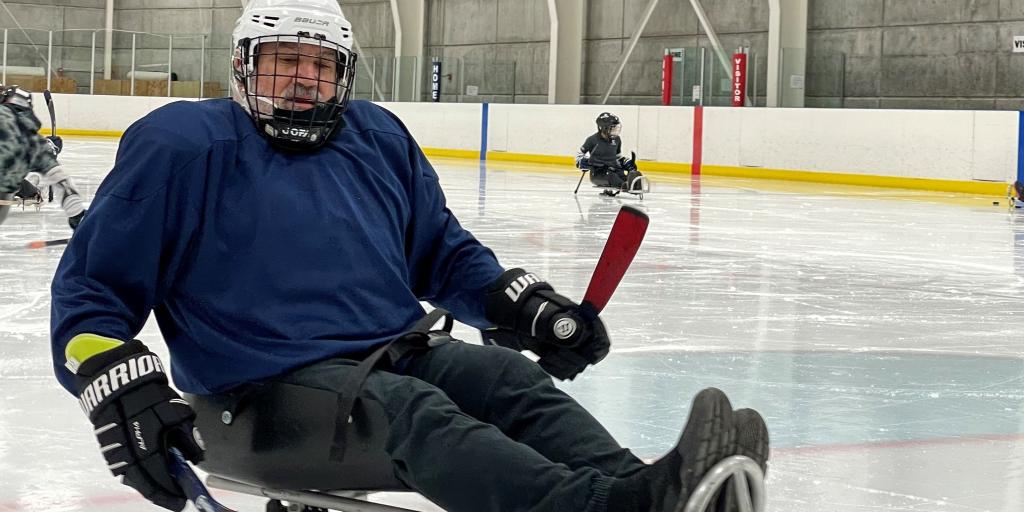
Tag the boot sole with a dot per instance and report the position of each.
(709, 437)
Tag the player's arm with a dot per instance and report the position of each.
(115, 270)
(450, 268)
(135, 414)
(583, 155)
(447, 265)
(124, 256)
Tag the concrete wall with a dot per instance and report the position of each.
(500, 47)
(374, 28)
(950, 54)
(72, 46)
(950, 145)
(674, 24)
(187, 21)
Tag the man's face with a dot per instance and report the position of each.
(296, 75)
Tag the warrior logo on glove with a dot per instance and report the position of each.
(117, 377)
(519, 285)
(529, 315)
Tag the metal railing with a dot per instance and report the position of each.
(28, 38)
(462, 80)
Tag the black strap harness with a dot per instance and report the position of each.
(420, 337)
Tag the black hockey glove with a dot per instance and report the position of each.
(529, 315)
(56, 144)
(583, 164)
(76, 220)
(123, 388)
(628, 164)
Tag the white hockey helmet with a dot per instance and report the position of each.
(286, 25)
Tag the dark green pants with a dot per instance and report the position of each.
(482, 428)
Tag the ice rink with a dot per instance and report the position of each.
(880, 332)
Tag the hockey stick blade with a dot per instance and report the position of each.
(193, 487)
(49, 106)
(39, 244)
(623, 243)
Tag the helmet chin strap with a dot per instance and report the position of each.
(307, 126)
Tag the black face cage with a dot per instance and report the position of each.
(607, 128)
(607, 122)
(274, 112)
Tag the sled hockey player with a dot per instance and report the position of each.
(44, 170)
(286, 236)
(22, 149)
(601, 154)
(1016, 195)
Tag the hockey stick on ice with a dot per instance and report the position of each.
(53, 131)
(193, 487)
(584, 173)
(53, 116)
(39, 244)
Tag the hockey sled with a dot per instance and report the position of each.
(38, 204)
(1015, 195)
(635, 183)
(272, 443)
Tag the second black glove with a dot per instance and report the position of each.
(528, 314)
(136, 415)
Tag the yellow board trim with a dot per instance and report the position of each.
(451, 153)
(984, 188)
(84, 133)
(502, 156)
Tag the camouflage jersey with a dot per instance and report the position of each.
(22, 150)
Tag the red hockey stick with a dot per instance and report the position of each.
(623, 243)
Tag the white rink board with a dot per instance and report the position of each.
(951, 145)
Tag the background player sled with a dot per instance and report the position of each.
(37, 203)
(601, 177)
(1015, 195)
(273, 443)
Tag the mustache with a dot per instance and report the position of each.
(302, 93)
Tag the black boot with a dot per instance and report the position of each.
(74, 221)
(751, 436)
(28, 193)
(751, 441)
(666, 485)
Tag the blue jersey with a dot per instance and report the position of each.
(257, 261)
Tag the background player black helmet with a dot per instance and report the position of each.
(608, 124)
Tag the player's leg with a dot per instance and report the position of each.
(29, 189)
(457, 461)
(65, 193)
(501, 387)
(467, 465)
